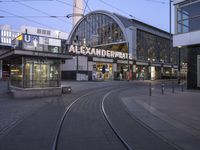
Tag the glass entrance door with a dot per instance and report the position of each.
(40, 74)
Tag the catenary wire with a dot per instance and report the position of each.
(24, 0)
(38, 10)
(69, 4)
(85, 6)
(157, 1)
(51, 16)
(116, 8)
(27, 19)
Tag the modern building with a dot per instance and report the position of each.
(187, 36)
(7, 34)
(44, 32)
(35, 63)
(109, 46)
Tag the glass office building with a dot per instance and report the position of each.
(110, 46)
(187, 31)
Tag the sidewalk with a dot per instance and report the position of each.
(175, 117)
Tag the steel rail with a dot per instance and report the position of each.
(128, 147)
(58, 131)
(55, 142)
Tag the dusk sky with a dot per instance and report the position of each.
(153, 12)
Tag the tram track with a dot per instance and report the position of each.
(111, 124)
(103, 113)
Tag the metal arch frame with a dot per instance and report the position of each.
(103, 12)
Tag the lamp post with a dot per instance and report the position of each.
(170, 29)
(149, 69)
(162, 69)
(179, 64)
(128, 63)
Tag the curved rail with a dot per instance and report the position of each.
(111, 124)
(55, 142)
(58, 132)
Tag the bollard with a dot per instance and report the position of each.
(172, 86)
(150, 89)
(162, 89)
(8, 84)
(182, 87)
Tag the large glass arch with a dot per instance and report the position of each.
(99, 31)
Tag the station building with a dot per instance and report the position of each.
(109, 46)
(7, 34)
(35, 65)
(187, 36)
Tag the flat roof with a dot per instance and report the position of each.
(19, 52)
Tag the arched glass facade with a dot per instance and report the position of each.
(101, 41)
(100, 31)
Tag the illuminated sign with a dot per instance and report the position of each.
(37, 43)
(98, 52)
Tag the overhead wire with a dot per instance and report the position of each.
(51, 16)
(157, 1)
(23, 0)
(118, 9)
(126, 13)
(38, 10)
(69, 4)
(85, 6)
(27, 19)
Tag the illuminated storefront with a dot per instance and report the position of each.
(35, 61)
(107, 41)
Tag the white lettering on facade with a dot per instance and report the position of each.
(103, 53)
(93, 52)
(98, 52)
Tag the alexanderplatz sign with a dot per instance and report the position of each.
(81, 50)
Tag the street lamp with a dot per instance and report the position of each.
(149, 69)
(128, 63)
(162, 67)
(179, 64)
